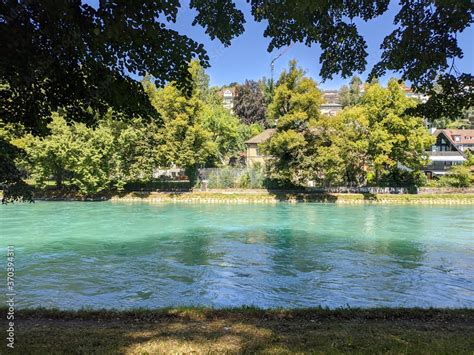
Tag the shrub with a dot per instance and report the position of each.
(459, 176)
(157, 185)
(245, 180)
(224, 178)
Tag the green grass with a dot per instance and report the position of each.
(275, 196)
(244, 330)
(261, 196)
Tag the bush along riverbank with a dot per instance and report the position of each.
(244, 330)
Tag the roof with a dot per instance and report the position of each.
(331, 96)
(231, 89)
(330, 104)
(448, 136)
(262, 137)
(466, 135)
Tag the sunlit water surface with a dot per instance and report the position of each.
(117, 255)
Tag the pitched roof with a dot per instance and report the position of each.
(331, 96)
(448, 136)
(230, 88)
(262, 137)
(466, 135)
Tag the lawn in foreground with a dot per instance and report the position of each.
(245, 330)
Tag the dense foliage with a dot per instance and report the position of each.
(350, 95)
(250, 103)
(92, 160)
(193, 132)
(374, 141)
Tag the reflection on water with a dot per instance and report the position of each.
(72, 255)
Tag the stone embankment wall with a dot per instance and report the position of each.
(445, 190)
(360, 190)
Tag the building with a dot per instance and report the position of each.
(412, 95)
(331, 105)
(448, 150)
(254, 155)
(331, 96)
(228, 97)
(330, 109)
(461, 138)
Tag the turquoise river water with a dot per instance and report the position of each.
(71, 255)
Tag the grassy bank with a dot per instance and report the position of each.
(260, 196)
(276, 196)
(244, 330)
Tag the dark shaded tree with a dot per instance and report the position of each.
(422, 48)
(250, 104)
(69, 56)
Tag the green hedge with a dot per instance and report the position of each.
(159, 185)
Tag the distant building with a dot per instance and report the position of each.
(412, 95)
(254, 155)
(330, 109)
(331, 105)
(462, 139)
(448, 150)
(331, 96)
(228, 97)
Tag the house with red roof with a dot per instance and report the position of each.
(450, 149)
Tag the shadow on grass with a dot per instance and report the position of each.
(369, 196)
(245, 330)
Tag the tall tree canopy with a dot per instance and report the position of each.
(374, 141)
(295, 106)
(70, 55)
(422, 48)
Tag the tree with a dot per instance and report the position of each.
(421, 48)
(350, 95)
(396, 138)
(250, 104)
(295, 93)
(70, 56)
(352, 134)
(12, 142)
(90, 162)
(183, 140)
(134, 149)
(375, 141)
(295, 105)
(75, 153)
(266, 86)
(459, 176)
(454, 122)
(227, 132)
(50, 156)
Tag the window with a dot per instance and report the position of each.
(457, 138)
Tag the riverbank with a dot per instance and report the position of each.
(244, 330)
(268, 197)
(428, 197)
